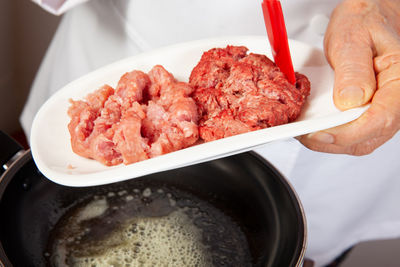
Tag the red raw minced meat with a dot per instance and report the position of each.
(238, 92)
(145, 116)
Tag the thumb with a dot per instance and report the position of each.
(351, 57)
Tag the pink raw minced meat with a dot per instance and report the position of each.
(229, 92)
(238, 92)
(145, 116)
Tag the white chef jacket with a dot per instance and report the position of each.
(346, 199)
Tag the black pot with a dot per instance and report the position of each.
(244, 186)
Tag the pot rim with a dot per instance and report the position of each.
(5, 178)
(26, 156)
(295, 197)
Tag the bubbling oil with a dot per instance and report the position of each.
(146, 227)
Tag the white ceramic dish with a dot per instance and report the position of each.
(50, 139)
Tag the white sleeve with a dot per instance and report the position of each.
(58, 7)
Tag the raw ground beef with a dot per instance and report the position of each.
(229, 92)
(238, 92)
(145, 116)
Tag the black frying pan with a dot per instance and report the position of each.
(244, 186)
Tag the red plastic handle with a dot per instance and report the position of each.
(275, 24)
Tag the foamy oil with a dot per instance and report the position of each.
(148, 226)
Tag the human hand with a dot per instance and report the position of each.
(362, 44)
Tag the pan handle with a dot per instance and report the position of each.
(9, 152)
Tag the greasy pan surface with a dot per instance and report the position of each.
(244, 186)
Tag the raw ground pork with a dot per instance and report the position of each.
(145, 116)
(151, 114)
(238, 93)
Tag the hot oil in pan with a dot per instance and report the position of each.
(147, 227)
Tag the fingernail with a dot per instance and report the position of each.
(351, 96)
(322, 137)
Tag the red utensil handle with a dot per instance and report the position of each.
(275, 25)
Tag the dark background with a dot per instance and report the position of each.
(25, 33)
